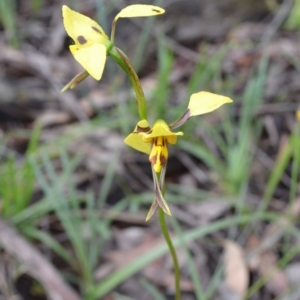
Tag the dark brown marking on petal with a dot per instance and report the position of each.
(153, 160)
(142, 129)
(161, 144)
(157, 144)
(81, 39)
(163, 159)
(156, 10)
(96, 29)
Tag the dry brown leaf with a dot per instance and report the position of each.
(266, 263)
(165, 279)
(122, 258)
(292, 273)
(208, 210)
(257, 247)
(50, 118)
(252, 256)
(236, 271)
(278, 228)
(277, 283)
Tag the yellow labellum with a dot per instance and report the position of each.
(139, 10)
(159, 153)
(161, 129)
(205, 102)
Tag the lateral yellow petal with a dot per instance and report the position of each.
(92, 59)
(136, 141)
(205, 102)
(139, 10)
(82, 29)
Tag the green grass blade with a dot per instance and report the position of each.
(119, 276)
(8, 17)
(287, 257)
(47, 240)
(152, 290)
(191, 265)
(143, 40)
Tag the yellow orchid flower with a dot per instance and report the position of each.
(91, 43)
(154, 140)
(298, 114)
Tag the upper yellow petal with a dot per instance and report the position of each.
(139, 10)
(136, 141)
(83, 30)
(205, 102)
(92, 59)
(142, 126)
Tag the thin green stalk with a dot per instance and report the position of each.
(153, 291)
(198, 290)
(110, 282)
(166, 235)
(123, 61)
(113, 31)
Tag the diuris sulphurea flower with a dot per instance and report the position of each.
(91, 44)
(298, 114)
(154, 140)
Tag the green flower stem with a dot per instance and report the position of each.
(166, 235)
(123, 61)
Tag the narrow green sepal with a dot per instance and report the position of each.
(75, 81)
(152, 210)
(159, 196)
